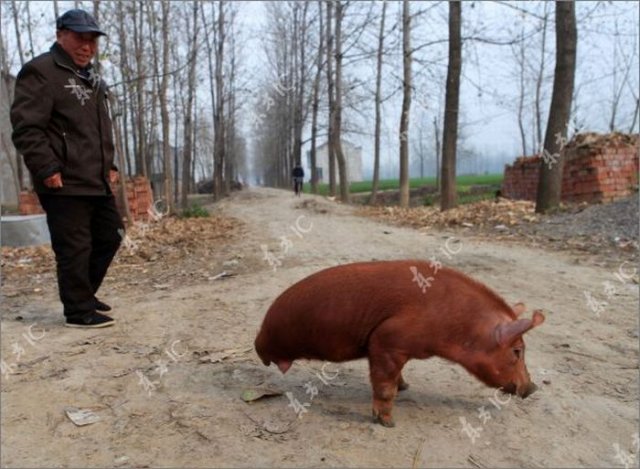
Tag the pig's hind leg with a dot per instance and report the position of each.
(385, 367)
(402, 384)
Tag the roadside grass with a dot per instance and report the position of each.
(463, 185)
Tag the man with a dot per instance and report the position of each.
(297, 173)
(62, 127)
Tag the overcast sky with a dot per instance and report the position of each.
(489, 86)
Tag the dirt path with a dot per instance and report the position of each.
(192, 339)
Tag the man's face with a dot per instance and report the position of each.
(81, 47)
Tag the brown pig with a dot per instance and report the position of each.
(392, 311)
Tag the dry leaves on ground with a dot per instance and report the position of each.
(486, 213)
(170, 238)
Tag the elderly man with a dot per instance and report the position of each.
(62, 127)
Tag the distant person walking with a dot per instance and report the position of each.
(62, 127)
(297, 173)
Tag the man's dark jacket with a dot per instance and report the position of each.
(61, 123)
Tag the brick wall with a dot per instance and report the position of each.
(597, 168)
(139, 196)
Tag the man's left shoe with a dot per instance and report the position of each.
(100, 306)
(89, 320)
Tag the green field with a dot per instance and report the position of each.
(464, 183)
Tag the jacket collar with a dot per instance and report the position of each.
(63, 59)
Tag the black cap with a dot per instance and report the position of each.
(79, 21)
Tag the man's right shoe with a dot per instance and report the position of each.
(90, 320)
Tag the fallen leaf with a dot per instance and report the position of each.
(250, 395)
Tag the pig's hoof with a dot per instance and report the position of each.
(384, 420)
(403, 386)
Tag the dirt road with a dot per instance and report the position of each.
(167, 381)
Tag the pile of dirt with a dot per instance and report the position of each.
(608, 231)
(599, 227)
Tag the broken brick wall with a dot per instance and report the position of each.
(597, 168)
(139, 196)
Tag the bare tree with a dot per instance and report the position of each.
(117, 138)
(378, 99)
(331, 101)
(140, 102)
(164, 109)
(188, 111)
(448, 193)
(336, 128)
(436, 132)
(519, 52)
(218, 117)
(623, 69)
(540, 78)
(27, 6)
(16, 24)
(406, 105)
(316, 102)
(550, 183)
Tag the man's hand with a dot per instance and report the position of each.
(114, 176)
(54, 181)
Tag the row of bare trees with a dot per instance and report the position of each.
(332, 69)
(296, 31)
(159, 58)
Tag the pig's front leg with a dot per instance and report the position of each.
(385, 370)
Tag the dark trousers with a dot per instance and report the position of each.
(86, 232)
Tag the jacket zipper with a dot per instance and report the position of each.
(66, 147)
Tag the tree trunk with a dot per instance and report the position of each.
(540, 79)
(16, 25)
(117, 137)
(219, 150)
(138, 42)
(406, 105)
(126, 76)
(14, 9)
(164, 110)
(316, 103)
(436, 131)
(212, 86)
(27, 6)
(331, 101)
(298, 119)
(378, 118)
(550, 183)
(337, 115)
(188, 112)
(448, 194)
(523, 91)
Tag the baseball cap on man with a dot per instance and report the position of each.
(79, 21)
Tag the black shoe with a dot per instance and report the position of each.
(90, 320)
(100, 306)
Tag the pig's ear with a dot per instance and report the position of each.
(506, 333)
(519, 308)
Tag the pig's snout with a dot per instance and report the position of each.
(527, 390)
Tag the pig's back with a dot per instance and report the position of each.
(330, 314)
